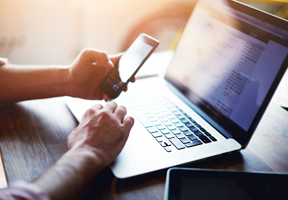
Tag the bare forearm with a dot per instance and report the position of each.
(70, 176)
(19, 83)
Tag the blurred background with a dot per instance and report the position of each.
(55, 31)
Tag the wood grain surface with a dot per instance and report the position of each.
(33, 136)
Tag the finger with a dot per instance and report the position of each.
(4, 61)
(98, 56)
(115, 59)
(110, 106)
(97, 107)
(120, 112)
(133, 80)
(107, 99)
(92, 111)
(128, 123)
(104, 96)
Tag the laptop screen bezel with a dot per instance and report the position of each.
(242, 136)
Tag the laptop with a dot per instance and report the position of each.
(224, 72)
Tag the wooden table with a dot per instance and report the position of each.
(33, 136)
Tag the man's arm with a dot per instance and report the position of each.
(93, 145)
(27, 82)
(80, 79)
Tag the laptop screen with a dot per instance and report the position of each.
(227, 60)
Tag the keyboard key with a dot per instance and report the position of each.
(159, 139)
(152, 129)
(192, 137)
(177, 143)
(183, 129)
(179, 125)
(176, 131)
(176, 112)
(182, 112)
(185, 140)
(146, 112)
(157, 123)
(202, 129)
(184, 121)
(213, 139)
(168, 114)
(196, 124)
(207, 133)
(187, 116)
(170, 117)
(168, 149)
(167, 123)
(153, 119)
(204, 139)
(180, 136)
(165, 143)
(161, 127)
(156, 134)
(193, 128)
(172, 109)
(169, 136)
(165, 131)
(192, 120)
(171, 127)
(149, 116)
(189, 125)
(163, 119)
(141, 117)
(198, 133)
(174, 120)
(187, 133)
(180, 117)
(193, 143)
(155, 112)
(159, 115)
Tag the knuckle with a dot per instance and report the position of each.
(103, 53)
(130, 121)
(86, 51)
(104, 115)
(90, 112)
(113, 103)
(123, 108)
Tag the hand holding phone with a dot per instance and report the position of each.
(129, 64)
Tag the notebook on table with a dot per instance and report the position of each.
(225, 70)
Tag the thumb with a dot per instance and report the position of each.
(115, 59)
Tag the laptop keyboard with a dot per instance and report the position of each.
(166, 122)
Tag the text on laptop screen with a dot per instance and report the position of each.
(232, 61)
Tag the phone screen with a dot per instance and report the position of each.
(128, 65)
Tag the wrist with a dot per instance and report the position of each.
(70, 175)
(89, 161)
(65, 79)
